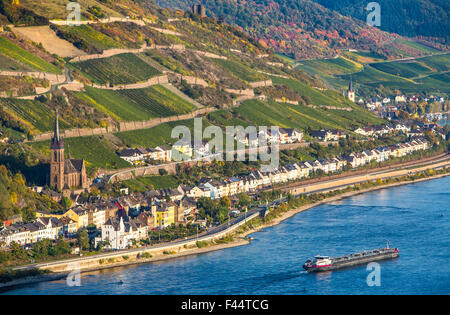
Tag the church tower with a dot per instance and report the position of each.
(351, 92)
(57, 158)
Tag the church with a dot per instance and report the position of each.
(65, 173)
(351, 92)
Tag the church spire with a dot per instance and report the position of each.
(57, 140)
(350, 86)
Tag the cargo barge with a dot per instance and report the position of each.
(326, 263)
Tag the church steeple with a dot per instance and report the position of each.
(57, 158)
(351, 92)
(57, 141)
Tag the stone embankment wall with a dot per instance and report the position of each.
(209, 55)
(108, 20)
(52, 77)
(280, 100)
(123, 126)
(191, 80)
(246, 92)
(162, 79)
(261, 83)
(134, 125)
(117, 51)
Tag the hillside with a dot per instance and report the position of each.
(373, 76)
(300, 29)
(131, 81)
(413, 18)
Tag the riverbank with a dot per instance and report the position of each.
(239, 238)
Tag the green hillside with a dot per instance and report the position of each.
(23, 57)
(139, 104)
(118, 69)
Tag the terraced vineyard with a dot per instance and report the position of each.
(317, 97)
(155, 136)
(134, 105)
(275, 114)
(86, 38)
(27, 59)
(332, 66)
(118, 69)
(240, 70)
(32, 113)
(407, 69)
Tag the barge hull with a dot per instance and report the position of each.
(353, 262)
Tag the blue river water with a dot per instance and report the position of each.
(415, 218)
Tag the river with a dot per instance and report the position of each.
(415, 218)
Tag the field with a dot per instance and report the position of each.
(25, 58)
(118, 69)
(33, 113)
(134, 105)
(95, 150)
(240, 70)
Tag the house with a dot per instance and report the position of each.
(305, 169)
(335, 135)
(401, 128)
(117, 234)
(96, 217)
(130, 155)
(165, 214)
(400, 99)
(217, 188)
(80, 215)
(290, 135)
(202, 149)
(365, 131)
(183, 147)
(292, 170)
(321, 135)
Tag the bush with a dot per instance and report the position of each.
(146, 255)
(201, 244)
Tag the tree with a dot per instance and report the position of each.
(28, 215)
(83, 239)
(225, 202)
(162, 172)
(244, 200)
(66, 202)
